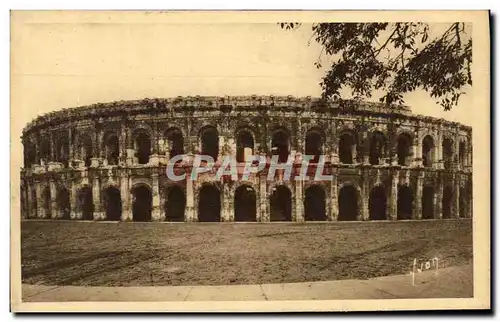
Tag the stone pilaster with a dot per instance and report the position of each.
(334, 200)
(53, 200)
(75, 212)
(262, 209)
(155, 212)
(191, 211)
(365, 197)
(299, 202)
(40, 204)
(125, 196)
(393, 201)
(456, 197)
(227, 204)
(99, 213)
(417, 214)
(438, 199)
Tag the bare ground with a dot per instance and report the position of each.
(140, 254)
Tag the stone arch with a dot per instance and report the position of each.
(347, 147)
(84, 148)
(447, 152)
(245, 144)
(45, 147)
(280, 144)
(175, 139)
(315, 203)
(428, 202)
(348, 202)
(175, 206)
(209, 137)
(378, 147)
(85, 203)
(314, 143)
(111, 147)
(62, 150)
(405, 203)
(245, 203)
(403, 148)
(281, 203)
(142, 145)
(142, 202)
(63, 203)
(47, 202)
(377, 204)
(462, 158)
(112, 203)
(428, 150)
(447, 202)
(209, 203)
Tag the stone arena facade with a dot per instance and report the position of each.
(108, 161)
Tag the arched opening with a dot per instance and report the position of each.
(45, 147)
(142, 146)
(112, 204)
(280, 145)
(245, 204)
(428, 203)
(63, 203)
(281, 204)
(29, 154)
(210, 142)
(86, 203)
(447, 153)
(47, 204)
(244, 146)
(175, 205)
(378, 148)
(463, 203)
(314, 204)
(461, 154)
(62, 151)
(378, 204)
(348, 204)
(141, 203)
(404, 149)
(175, 142)
(405, 203)
(347, 146)
(427, 151)
(446, 205)
(209, 204)
(111, 148)
(314, 145)
(85, 149)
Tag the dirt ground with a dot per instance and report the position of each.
(140, 254)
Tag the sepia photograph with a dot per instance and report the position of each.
(255, 161)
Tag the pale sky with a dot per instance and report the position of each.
(59, 65)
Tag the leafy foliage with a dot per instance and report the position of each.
(395, 58)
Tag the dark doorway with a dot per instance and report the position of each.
(446, 205)
(143, 147)
(404, 149)
(405, 203)
(463, 203)
(378, 147)
(142, 203)
(86, 153)
(63, 203)
(175, 142)
(244, 143)
(210, 142)
(348, 204)
(47, 203)
(245, 203)
(428, 203)
(86, 203)
(461, 154)
(314, 145)
(447, 153)
(281, 204)
(62, 151)
(280, 145)
(112, 148)
(314, 204)
(112, 204)
(45, 148)
(346, 147)
(209, 204)
(176, 204)
(378, 204)
(427, 151)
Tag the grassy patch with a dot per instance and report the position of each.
(119, 254)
